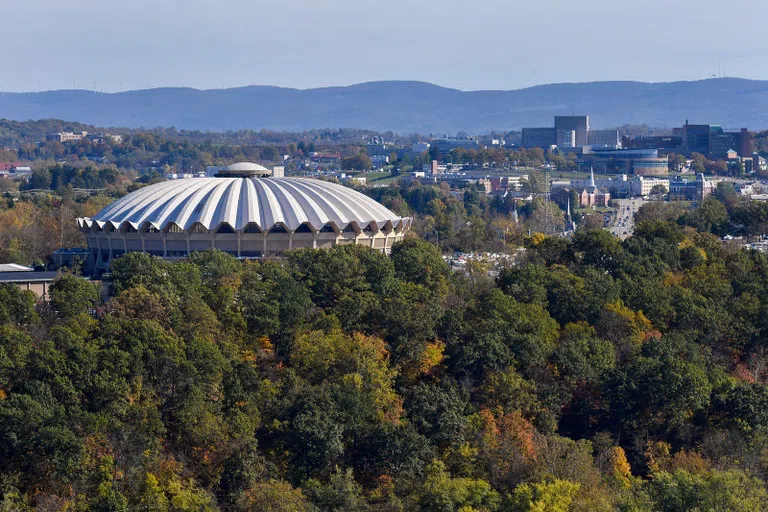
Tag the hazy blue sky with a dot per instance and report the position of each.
(482, 44)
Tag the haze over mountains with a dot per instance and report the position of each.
(404, 106)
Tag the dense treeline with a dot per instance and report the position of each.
(60, 176)
(15, 134)
(34, 226)
(594, 375)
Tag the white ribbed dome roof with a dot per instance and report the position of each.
(246, 166)
(238, 202)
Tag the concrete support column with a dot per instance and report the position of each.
(264, 244)
(314, 240)
(290, 240)
(165, 245)
(238, 244)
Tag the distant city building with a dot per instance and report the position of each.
(539, 137)
(420, 147)
(579, 124)
(756, 163)
(650, 166)
(691, 190)
(514, 183)
(661, 142)
(619, 185)
(77, 136)
(445, 146)
(278, 171)
(695, 138)
(485, 185)
(604, 138)
(568, 132)
(722, 141)
(591, 195)
(18, 171)
(379, 151)
(642, 186)
(66, 136)
(623, 160)
(7, 166)
(565, 138)
(434, 168)
(322, 158)
(714, 142)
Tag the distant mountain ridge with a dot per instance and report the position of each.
(404, 107)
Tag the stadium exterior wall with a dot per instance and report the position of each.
(174, 243)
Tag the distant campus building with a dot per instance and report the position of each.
(570, 132)
(712, 141)
(76, 136)
(591, 195)
(640, 156)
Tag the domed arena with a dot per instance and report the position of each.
(242, 211)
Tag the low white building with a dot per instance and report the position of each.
(642, 185)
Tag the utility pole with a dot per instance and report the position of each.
(550, 226)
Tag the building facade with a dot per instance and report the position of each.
(684, 189)
(591, 196)
(579, 124)
(540, 137)
(650, 166)
(604, 138)
(445, 146)
(712, 141)
(642, 186)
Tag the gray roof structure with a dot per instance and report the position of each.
(27, 277)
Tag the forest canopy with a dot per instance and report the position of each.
(594, 375)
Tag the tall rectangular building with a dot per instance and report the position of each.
(579, 124)
(607, 138)
(565, 138)
(695, 138)
(539, 137)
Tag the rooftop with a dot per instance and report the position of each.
(15, 267)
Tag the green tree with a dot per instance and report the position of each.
(555, 496)
(358, 162)
(16, 306)
(140, 268)
(419, 262)
(71, 295)
(444, 493)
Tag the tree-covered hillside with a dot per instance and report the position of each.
(596, 375)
